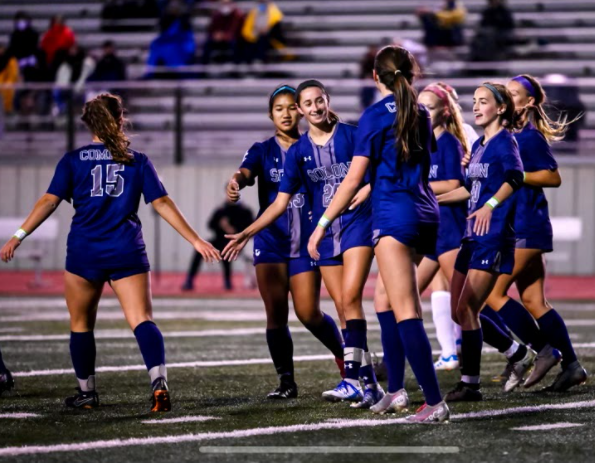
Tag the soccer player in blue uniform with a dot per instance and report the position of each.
(494, 175)
(105, 180)
(282, 264)
(394, 142)
(534, 238)
(317, 164)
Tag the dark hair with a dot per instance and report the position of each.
(509, 119)
(22, 15)
(551, 130)
(104, 116)
(396, 68)
(281, 90)
(333, 117)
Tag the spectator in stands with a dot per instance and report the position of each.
(443, 28)
(223, 33)
(74, 68)
(23, 44)
(495, 35)
(262, 30)
(109, 67)
(366, 66)
(226, 220)
(58, 37)
(9, 74)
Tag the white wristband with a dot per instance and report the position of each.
(20, 234)
(492, 202)
(324, 222)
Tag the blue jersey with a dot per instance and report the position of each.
(283, 237)
(532, 214)
(485, 175)
(105, 195)
(401, 194)
(446, 165)
(319, 170)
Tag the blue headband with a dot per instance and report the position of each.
(526, 83)
(495, 91)
(280, 89)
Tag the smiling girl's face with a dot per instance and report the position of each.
(485, 107)
(314, 105)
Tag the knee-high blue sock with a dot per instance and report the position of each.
(472, 344)
(82, 353)
(419, 353)
(394, 353)
(555, 332)
(355, 343)
(522, 324)
(495, 317)
(152, 348)
(281, 349)
(493, 335)
(328, 334)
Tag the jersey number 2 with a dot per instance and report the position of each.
(114, 183)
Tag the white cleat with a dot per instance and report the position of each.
(520, 369)
(392, 403)
(435, 414)
(373, 394)
(448, 363)
(344, 391)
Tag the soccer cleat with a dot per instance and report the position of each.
(546, 359)
(83, 399)
(448, 363)
(341, 364)
(160, 398)
(503, 377)
(285, 390)
(435, 414)
(344, 391)
(6, 382)
(520, 369)
(573, 375)
(392, 403)
(463, 393)
(373, 394)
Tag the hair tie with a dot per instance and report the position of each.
(398, 71)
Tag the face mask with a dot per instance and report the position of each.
(22, 24)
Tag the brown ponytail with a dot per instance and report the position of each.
(396, 68)
(104, 116)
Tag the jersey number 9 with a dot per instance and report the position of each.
(114, 183)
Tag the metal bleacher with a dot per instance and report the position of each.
(222, 116)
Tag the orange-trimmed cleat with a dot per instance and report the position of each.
(161, 402)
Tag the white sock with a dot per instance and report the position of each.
(511, 350)
(87, 385)
(470, 379)
(443, 323)
(160, 371)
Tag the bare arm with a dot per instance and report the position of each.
(168, 210)
(544, 178)
(44, 207)
(454, 196)
(444, 186)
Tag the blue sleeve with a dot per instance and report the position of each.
(452, 156)
(538, 154)
(368, 139)
(254, 159)
(152, 187)
(511, 159)
(62, 182)
(291, 180)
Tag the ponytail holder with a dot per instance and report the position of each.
(398, 71)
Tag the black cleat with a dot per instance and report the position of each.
(160, 398)
(84, 399)
(463, 393)
(6, 382)
(573, 375)
(284, 391)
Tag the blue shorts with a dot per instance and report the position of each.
(132, 264)
(357, 234)
(330, 261)
(543, 243)
(422, 237)
(295, 265)
(442, 247)
(474, 255)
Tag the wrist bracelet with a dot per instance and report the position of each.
(524, 176)
(492, 202)
(324, 222)
(20, 234)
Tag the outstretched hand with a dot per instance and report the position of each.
(235, 246)
(314, 242)
(207, 251)
(7, 251)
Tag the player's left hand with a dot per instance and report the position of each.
(207, 251)
(466, 159)
(314, 242)
(482, 216)
(360, 196)
(7, 251)
(235, 246)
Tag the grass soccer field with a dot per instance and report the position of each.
(220, 373)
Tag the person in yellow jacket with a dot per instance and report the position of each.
(443, 28)
(9, 74)
(262, 30)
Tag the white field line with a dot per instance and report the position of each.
(18, 416)
(15, 329)
(547, 427)
(182, 419)
(209, 436)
